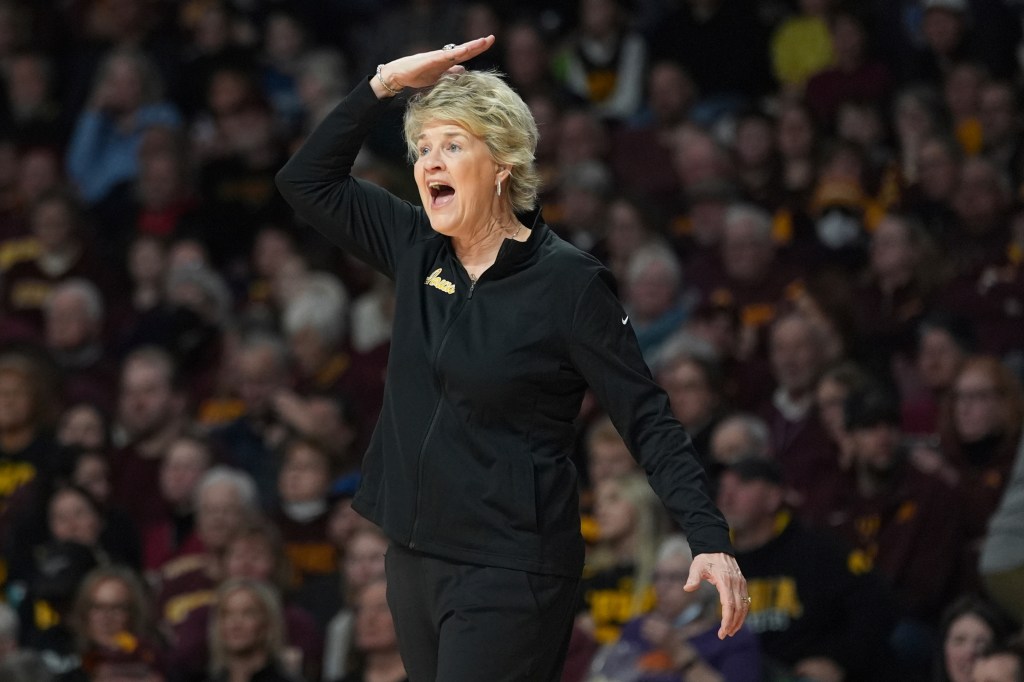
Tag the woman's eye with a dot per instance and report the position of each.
(424, 151)
(453, 147)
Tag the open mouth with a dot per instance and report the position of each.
(440, 194)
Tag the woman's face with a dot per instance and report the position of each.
(615, 514)
(342, 522)
(15, 401)
(626, 229)
(689, 393)
(670, 576)
(108, 611)
(938, 359)
(795, 133)
(82, 425)
(249, 557)
(93, 473)
(243, 623)
(304, 475)
(754, 142)
(892, 252)
(968, 636)
(124, 78)
(184, 464)
(147, 261)
(978, 407)
(457, 180)
(52, 225)
(73, 518)
(938, 171)
(608, 458)
(364, 559)
(830, 396)
(375, 630)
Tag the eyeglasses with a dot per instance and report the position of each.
(670, 577)
(109, 607)
(980, 395)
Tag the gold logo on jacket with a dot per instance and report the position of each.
(435, 280)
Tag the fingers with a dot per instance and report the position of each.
(722, 571)
(466, 51)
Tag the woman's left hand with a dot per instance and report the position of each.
(423, 69)
(722, 571)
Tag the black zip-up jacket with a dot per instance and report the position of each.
(470, 460)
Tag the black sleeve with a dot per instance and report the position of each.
(605, 351)
(362, 218)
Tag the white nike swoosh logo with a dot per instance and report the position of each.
(625, 319)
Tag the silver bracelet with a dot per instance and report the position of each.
(382, 82)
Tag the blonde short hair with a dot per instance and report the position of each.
(486, 106)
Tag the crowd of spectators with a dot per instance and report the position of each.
(814, 210)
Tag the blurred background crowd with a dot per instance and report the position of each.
(815, 212)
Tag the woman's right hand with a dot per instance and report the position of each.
(425, 68)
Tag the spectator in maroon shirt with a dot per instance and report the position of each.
(151, 415)
(172, 535)
(944, 341)
(799, 441)
(226, 501)
(254, 552)
(854, 76)
(980, 427)
(895, 292)
(899, 520)
(63, 253)
(27, 449)
(74, 325)
(981, 233)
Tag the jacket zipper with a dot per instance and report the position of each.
(433, 416)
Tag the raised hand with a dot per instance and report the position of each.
(425, 68)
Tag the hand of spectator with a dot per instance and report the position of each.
(105, 98)
(425, 68)
(819, 669)
(722, 571)
(930, 461)
(291, 409)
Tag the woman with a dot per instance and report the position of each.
(111, 623)
(254, 553)
(363, 564)
(969, 626)
(981, 432)
(126, 100)
(617, 581)
(469, 470)
(676, 641)
(246, 640)
(375, 641)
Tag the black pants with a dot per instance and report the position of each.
(466, 623)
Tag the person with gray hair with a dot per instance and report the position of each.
(800, 443)
(315, 324)
(500, 327)
(738, 436)
(682, 627)
(73, 325)
(226, 499)
(652, 296)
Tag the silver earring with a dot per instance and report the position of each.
(499, 188)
